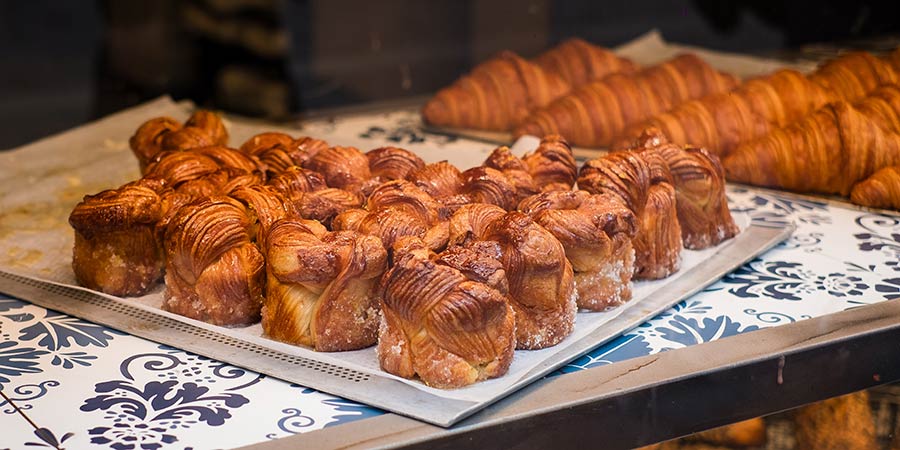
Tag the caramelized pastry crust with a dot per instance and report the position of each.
(392, 163)
(343, 168)
(643, 182)
(596, 233)
(552, 165)
(214, 273)
(541, 283)
(116, 248)
(322, 286)
(202, 129)
(446, 317)
(279, 151)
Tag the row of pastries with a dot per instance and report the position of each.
(446, 271)
(784, 130)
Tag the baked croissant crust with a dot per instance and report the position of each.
(116, 248)
(699, 181)
(827, 152)
(203, 128)
(322, 286)
(496, 95)
(541, 281)
(643, 182)
(214, 273)
(854, 75)
(344, 168)
(446, 317)
(392, 163)
(594, 114)
(881, 190)
(578, 62)
(596, 232)
(279, 151)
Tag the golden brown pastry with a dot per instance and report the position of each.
(279, 151)
(514, 169)
(324, 205)
(699, 182)
(720, 122)
(203, 128)
(594, 114)
(393, 163)
(541, 282)
(596, 232)
(827, 152)
(295, 181)
(552, 165)
(116, 248)
(265, 205)
(854, 75)
(839, 423)
(439, 180)
(322, 286)
(643, 182)
(343, 168)
(214, 272)
(881, 190)
(578, 62)
(496, 95)
(446, 319)
(883, 106)
(397, 209)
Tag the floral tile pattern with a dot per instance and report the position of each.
(83, 384)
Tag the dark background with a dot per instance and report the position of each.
(65, 62)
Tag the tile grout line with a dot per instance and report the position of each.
(21, 413)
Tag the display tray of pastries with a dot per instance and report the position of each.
(464, 284)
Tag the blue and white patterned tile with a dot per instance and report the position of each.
(17, 432)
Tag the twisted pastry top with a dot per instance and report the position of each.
(177, 167)
(116, 209)
(203, 128)
(552, 165)
(279, 151)
(578, 217)
(439, 180)
(295, 181)
(343, 168)
(578, 62)
(147, 140)
(393, 163)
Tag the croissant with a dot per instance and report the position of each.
(883, 106)
(278, 151)
(596, 233)
(496, 95)
(699, 181)
(828, 152)
(321, 288)
(577, 62)
(854, 75)
(594, 114)
(214, 273)
(202, 129)
(446, 317)
(720, 122)
(642, 181)
(881, 190)
(116, 250)
(541, 281)
(397, 209)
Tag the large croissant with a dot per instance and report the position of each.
(644, 184)
(541, 281)
(447, 318)
(827, 152)
(854, 75)
(596, 232)
(321, 288)
(699, 181)
(214, 272)
(202, 129)
(496, 95)
(594, 114)
(578, 62)
(881, 190)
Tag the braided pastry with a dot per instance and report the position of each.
(446, 319)
(202, 129)
(278, 151)
(594, 114)
(643, 182)
(214, 272)
(321, 288)
(392, 163)
(578, 62)
(881, 190)
(596, 232)
(541, 282)
(344, 168)
(699, 181)
(496, 95)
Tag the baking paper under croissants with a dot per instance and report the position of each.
(448, 271)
